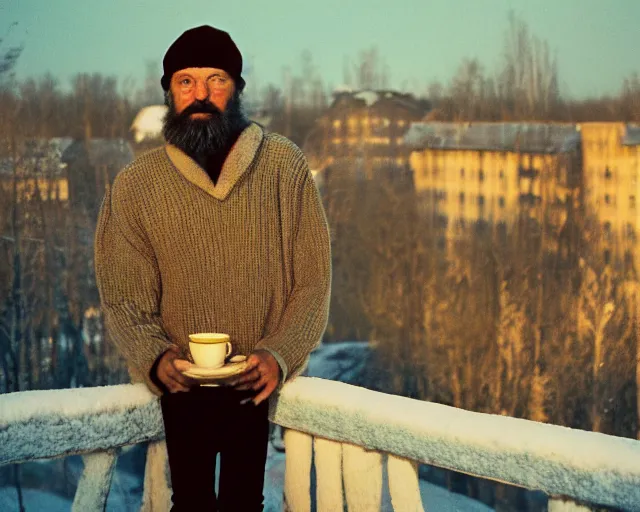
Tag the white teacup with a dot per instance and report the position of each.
(209, 349)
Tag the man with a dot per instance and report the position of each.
(221, 230)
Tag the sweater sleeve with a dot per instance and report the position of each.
(129, 284)
(306, 312)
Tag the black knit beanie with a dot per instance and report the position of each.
(203, 47)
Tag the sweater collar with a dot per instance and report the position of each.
(235, 166)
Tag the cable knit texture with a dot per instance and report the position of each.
(250, 256)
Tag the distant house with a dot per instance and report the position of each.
(364, 130)
(91, 166)
(35, 171)
(64, 170)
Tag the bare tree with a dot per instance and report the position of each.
(150, 93)
(528, 81)
(368, 71)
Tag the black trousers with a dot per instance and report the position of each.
(206, 421)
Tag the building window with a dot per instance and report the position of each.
(462, 172)
(401, 122)
(461, 197)
(501, 201)
(399, 141)
(480, 201)
(631, 233)
(632, 201)
(481, 175)
(501, 174)
(385, 121)
(607, 173)
(337, 124)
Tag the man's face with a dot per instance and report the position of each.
(204, 111)
(191, 84)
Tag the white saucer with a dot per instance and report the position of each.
(236, 365)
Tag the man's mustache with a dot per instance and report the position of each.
(200, 107)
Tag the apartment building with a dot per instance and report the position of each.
(493, 172)
(611, 159)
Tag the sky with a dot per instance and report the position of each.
(420, 41)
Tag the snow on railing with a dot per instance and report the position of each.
(347, 429)
(92, 422)
(584, 466)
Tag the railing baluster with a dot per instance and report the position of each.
(297, 471)
(362, 478)
(157, 493)
(328, 461)
(403, 484)
(95, 483)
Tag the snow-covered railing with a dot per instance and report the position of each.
(347, 429)
(92, 422)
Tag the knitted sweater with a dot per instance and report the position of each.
(250, 256)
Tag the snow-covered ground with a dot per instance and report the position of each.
(341, 361)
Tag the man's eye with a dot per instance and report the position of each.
(185, 81)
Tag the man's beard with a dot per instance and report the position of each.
(208, 136)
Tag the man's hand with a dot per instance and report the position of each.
(169, 371)
(262, 373)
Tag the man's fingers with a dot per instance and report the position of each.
(252, 362)
(174, 385)
(174, 378)
(265, 393)
(259, 384)
(247, 384)
(250, 376)
(256, 383)
(178, 388)
(175, 374)
(181, 364)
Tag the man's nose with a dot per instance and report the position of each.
(202, 91)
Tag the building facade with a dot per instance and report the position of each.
(493, 172)
(363, 131)
(611, 155)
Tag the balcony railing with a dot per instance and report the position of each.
(348, 432)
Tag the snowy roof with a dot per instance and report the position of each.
(341, 89)
(148, 123)
(631, 136)
(371, 98)
(524, 137)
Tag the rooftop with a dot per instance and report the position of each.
(523, 137)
